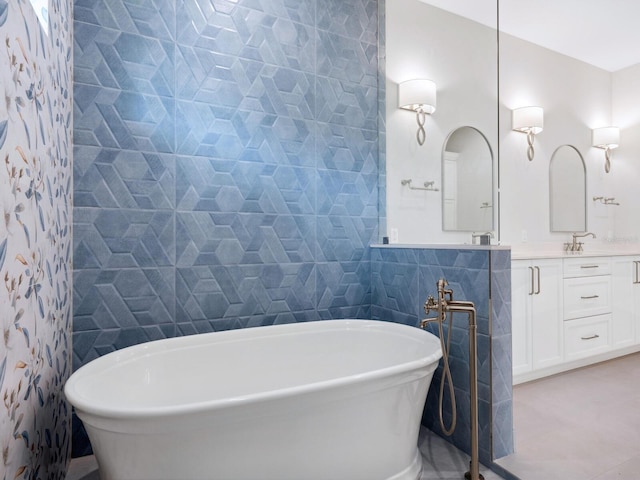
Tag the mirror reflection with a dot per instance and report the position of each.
(467, 181)
(567, 190)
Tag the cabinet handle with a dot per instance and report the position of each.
(537, 292)
(590, 297)
(531, 276)
(636, 279)
(589, 266)
(591, 337)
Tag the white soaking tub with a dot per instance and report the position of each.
(334, 399)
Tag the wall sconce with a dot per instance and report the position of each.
(528, 120)
(606, 138)
(418, 96)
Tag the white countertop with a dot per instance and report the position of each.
(602, 249)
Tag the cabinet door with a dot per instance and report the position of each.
(546, 322)
(625, 295)
(521, 293)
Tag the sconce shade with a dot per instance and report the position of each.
(605, 137)
(528, 119)
(417, 95)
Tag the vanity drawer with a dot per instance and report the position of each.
(586, 336)
(584, 267)
(587, 296)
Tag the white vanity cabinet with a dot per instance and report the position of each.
(626, 309)
(587, 306)
(572, 311)
(536, 314)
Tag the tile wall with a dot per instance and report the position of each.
(226, 166)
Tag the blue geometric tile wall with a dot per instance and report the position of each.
(226, 165)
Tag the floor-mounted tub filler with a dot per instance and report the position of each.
(339, 399)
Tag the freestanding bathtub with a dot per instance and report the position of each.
(334, 399)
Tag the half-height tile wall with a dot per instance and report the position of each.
(226, 165)
(402, 278)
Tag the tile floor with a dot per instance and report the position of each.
(583, 424)
(441, 461)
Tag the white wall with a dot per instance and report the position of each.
(625, 165)
(423, 41)
(460, 56)
(576, 97)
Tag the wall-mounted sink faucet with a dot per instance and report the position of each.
(574, 246)
(483, 238)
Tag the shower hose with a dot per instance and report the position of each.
(446, 377)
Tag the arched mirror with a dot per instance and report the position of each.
(567, 190)
(467, 182)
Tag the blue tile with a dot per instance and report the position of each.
(152, 18)
(345, 148)
(342, 238)
(343, 286)
(110, 178)
(221, 132)
(347, 59)
(345, 103)
(130, 299)
(356, 19)
(127, 61)
(124, 238)
(219, 239)
(272, 38)
(210, 292)
(347, 194)
(222, 185)
(123, 120)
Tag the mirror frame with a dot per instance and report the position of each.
(494, 193)
(584, 169)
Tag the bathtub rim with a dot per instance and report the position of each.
(84, 404)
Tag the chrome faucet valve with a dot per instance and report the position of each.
(576, 246)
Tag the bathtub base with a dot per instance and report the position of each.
(413, 471)
(361, 432)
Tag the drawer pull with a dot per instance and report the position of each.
(591, 337)
(589, 266)
(590, 297)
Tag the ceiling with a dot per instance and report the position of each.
(604, 33)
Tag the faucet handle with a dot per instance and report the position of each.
(430, 304)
